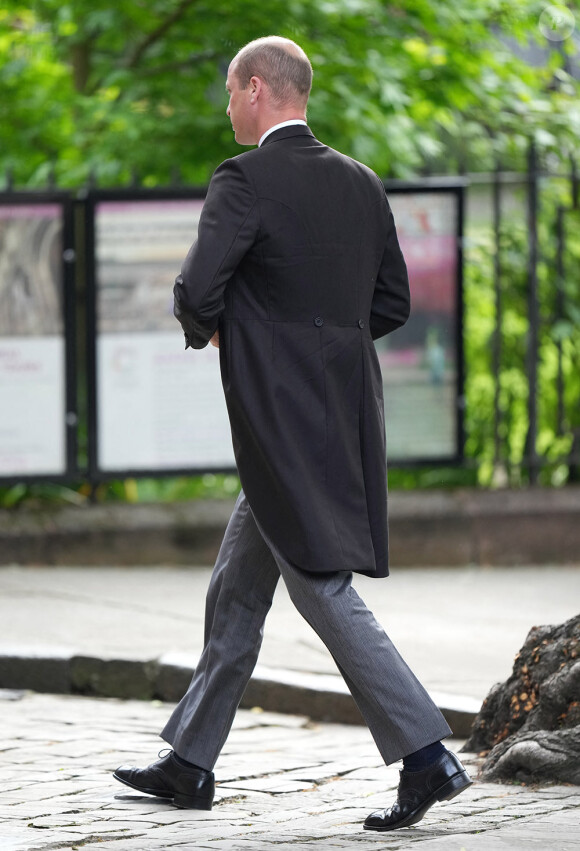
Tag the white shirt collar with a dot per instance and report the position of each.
(282, 124)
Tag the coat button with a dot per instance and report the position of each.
(361, 323)
(319, 321)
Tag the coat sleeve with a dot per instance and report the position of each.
(391, 302)
(227, 228)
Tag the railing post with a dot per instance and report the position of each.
(497, 337)
(51, 182)
(560, 242)
(533, 313)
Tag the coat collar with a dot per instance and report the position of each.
(287, 133)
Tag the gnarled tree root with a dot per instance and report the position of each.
(538, 756)
(530, 725)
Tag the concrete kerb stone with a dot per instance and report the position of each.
(532, 525)
(36, 669)
(123, 678)
(325, 695)
(174, 673)
(119, 533)
(321, 697)
(455, 527)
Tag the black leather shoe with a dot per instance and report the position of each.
(418, 790)
(190, 788)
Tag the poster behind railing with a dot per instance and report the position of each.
(32, 341)
(161, 408)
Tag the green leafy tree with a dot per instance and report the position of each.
(137, 88)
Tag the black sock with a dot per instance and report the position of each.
(424, 757)
(180, 761)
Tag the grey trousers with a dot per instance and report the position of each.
(398, 711)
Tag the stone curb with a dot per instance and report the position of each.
(322, 697)
(438, 528)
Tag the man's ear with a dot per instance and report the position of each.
(255, 87)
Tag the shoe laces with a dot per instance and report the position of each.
(164, 752)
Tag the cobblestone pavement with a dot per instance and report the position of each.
(283, 783)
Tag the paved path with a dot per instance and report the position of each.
(284, 783)
(476, 618)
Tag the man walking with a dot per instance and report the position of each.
(296, 270)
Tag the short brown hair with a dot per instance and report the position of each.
(280, 63)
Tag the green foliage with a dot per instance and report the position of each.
(135, 87)
(504, 462)
(208, 486)
(39, 495)
(421, 478)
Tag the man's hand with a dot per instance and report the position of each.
(215, 340)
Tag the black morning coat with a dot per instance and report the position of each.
(298, 266)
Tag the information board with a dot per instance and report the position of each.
(421, 362)
(33, 344)
(157, 408)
